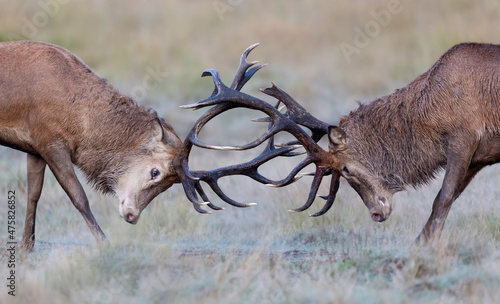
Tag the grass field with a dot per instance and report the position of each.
(261, 254)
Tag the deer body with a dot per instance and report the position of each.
(449, 117)
(58, 111)
(406, 136)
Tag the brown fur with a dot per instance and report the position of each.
(56, 109)
(448, 117)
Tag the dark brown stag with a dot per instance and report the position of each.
(448, 117)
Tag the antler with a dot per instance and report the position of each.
(225, 98)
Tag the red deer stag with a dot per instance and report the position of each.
(58, 111)
(448, 117)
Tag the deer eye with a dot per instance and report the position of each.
(345, 170)
(154, 173)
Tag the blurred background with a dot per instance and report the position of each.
(328, 55)
(314, 49)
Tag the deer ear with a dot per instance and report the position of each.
(157, 130)
(161, 134)
(336, 136)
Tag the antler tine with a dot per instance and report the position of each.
(271, 143)
(219, 86)
(189, 182)
(334, 187)
(320, 172)
(297, 113)
(198, 188)
(243, 74)
(293, 175)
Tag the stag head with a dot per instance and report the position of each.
(339, 161)
(368, 185)
(149, 175)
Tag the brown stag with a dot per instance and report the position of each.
(54, 108)
(448, 117)
(58, 111)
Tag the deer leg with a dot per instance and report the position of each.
(473, 170)
(458, 175)
(36, 170)
(60, 164)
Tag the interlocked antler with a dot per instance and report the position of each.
(225, 98)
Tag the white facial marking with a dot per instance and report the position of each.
(138, 178)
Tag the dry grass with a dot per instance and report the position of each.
(261, 254)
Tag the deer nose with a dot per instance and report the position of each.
(381, 211)
(377, 217)
(130, 218)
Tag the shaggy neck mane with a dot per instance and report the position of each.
(385, 134)
(121, 132)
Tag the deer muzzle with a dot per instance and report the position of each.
(381, 209)
(130, 215)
